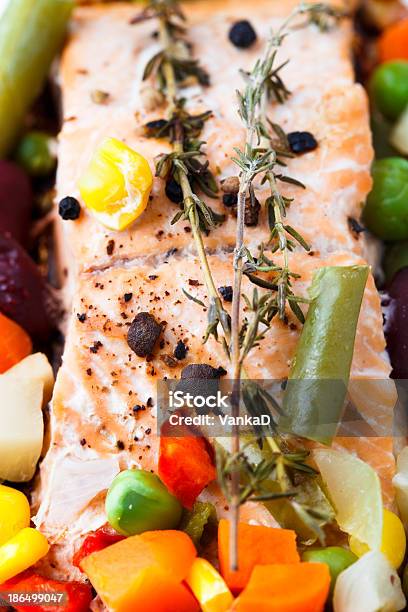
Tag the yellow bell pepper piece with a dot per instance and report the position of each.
(14, 513)
(117, 184)
(393, 540)
(209, 587)
(21, 552)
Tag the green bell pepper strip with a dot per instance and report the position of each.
(31, 34)
(320, 372)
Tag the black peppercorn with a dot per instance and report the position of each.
(180, 351)
(200, 371)
(143, 334)
(127, 297)
(251, 214)
(226, 293)
(301, 142)
(174, 191)
(69, 209)
(230, 199)
(355, 226)
(157, 124)
(242, 34)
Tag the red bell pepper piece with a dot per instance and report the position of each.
(185, 466)
(94, 541)
(78, 596)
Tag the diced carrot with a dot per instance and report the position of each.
(15, 343)
(393, 43)
(292, 587)
(257, 545)
(130, 574)
(185, 467)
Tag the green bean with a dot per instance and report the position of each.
(31, 33)
(320, 371)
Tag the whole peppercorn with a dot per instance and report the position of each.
(230, 199)
(200, 371)
(180, 351)
(157, 124)
(143, 334)
(226, 293)
(242, 34)
(230, 185)
(251, 214)
(69, 209)
(301, 142)
(174, 191)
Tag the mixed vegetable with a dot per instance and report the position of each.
(146, 556)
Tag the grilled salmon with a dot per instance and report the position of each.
(103, 412)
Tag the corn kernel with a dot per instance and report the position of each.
(209, 587)
(393, 540)
(117, 184)
(21, 552)
(14, 513)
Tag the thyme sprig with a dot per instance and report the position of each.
(187, 163)
(259, 158)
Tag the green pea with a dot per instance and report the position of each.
(396, 258)
(386, 210)
(35, 154)
(138, 501)
(389, 88)
(336, 557)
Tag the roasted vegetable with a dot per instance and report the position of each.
(208, 587)
(94, 541)
(299, 587)
(354, 488)
(21, 427)
(76, 595)
(393, 540)
(24, 295)
(138, 501)
(15, 343)
(195, 520)
(396, 329)
(31, 34)
(336, 558)
(386, 213)
(393, 43)
(320, 372)
(185, 466)
(116, 186)
(14, 513)
(16, 201)
(371, 580)
(36, 153)
(144, 572)
(396, 258)
(21, 552)
(257, 545)
(389, 88)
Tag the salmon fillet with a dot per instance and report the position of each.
(103, 412)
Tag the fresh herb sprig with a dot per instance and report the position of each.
(260, 159)
(172, 67)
